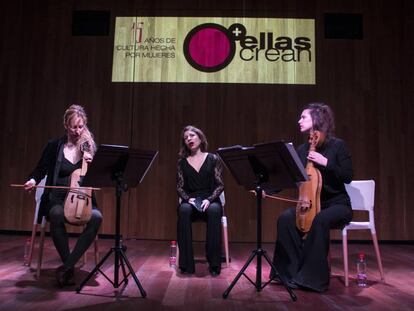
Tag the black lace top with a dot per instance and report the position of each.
(205, 184)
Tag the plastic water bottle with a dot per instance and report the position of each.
(361, 270)
(26, 251)
(173, 254)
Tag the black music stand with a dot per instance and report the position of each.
(271, 167)
(120, 167)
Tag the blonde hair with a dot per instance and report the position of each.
(87, 136)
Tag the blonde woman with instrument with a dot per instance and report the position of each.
(301, 255)
(60, 158)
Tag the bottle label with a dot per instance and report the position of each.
(173, 254)
(362, 279)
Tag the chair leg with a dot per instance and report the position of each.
(177, 258)
(377, 252)
(345, 253)
(32, 243)
(41, 246)
(225, 239)
(96, 250)
(329, 259)
(84, 258)
(96, 253)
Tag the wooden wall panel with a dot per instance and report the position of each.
(368, 83)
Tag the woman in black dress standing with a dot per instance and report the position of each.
(302, 261)
(199, 185)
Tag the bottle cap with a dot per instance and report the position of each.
(361, 256)
(173, 242)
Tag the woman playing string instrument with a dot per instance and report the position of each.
(59, 159)
(302, 260)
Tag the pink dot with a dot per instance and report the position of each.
(209, 47)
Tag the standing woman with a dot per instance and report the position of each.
(199, 185)
(59, 159)
(302, 261)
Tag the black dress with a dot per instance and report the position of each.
(205, 184)
(304, 261)
(49, 165)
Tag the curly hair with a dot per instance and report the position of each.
(79, 111)
(184, 151)
(322, 118)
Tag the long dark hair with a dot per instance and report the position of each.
(322, 118)
(184, 151)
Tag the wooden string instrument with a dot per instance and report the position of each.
(78, 202)
(309, 202)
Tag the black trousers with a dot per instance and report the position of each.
(305, 261)
(186, 215)
(60, 236)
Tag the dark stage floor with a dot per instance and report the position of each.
(167, 290)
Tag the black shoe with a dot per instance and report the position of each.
(292, 284)
(64, 275)
(214, 271)
(275, 278)
(185, 271)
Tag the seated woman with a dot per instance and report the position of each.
(302, 261)
(60, 158)
(199, 185)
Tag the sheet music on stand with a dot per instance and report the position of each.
(121, 168)
(278, 161)
(134, 163)
(269, 167)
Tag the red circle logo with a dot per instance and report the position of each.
(209, 47)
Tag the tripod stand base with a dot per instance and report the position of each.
(258, 284)
(120, 259)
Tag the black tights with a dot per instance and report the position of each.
(186, 214)
(60, 236)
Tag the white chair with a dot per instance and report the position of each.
(362, 194)
(224, 232)
(38, 196)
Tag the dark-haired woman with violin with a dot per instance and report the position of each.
(60, 158)
(301, 258)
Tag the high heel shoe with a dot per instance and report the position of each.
(214, 271)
